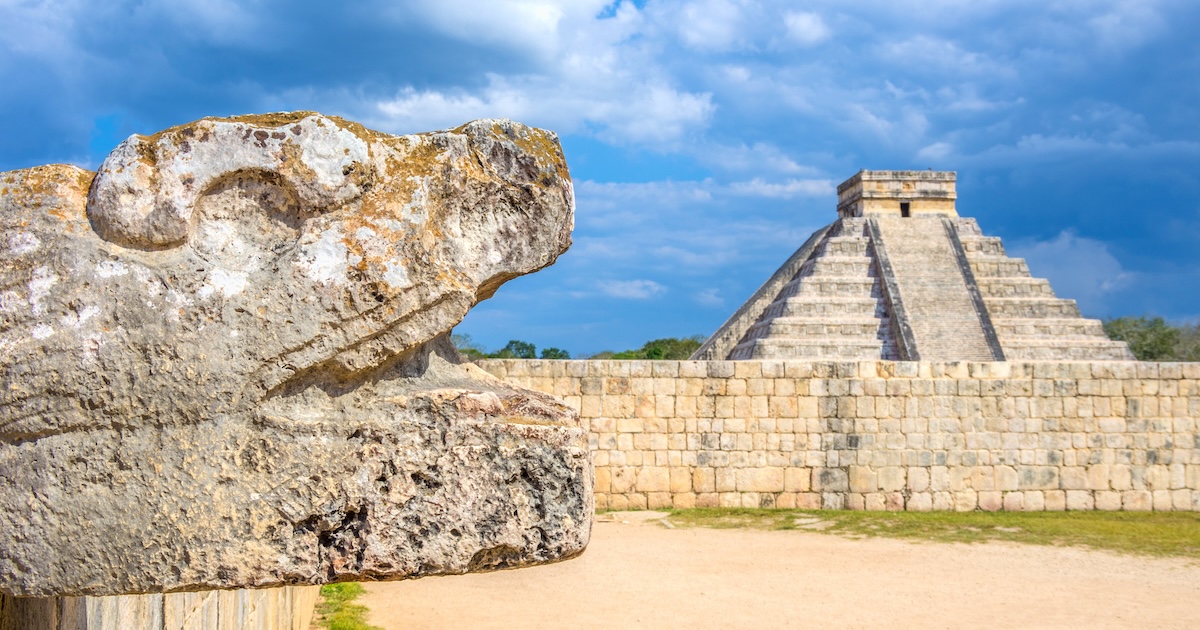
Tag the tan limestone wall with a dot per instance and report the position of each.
(884, 435)
(282, 608)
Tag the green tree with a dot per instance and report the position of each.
(515, 349)
(668, 348)
(1149, 338)
(1188, 346)
(555, 353)
(470, 350)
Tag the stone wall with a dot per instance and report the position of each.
(283, 608)
(882, 435)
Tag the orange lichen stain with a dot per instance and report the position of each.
(538, 144)
(407, 166)
(274, 120)
(292, 164)
(518, 410)
(60, 190)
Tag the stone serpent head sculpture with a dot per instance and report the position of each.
(251, 299)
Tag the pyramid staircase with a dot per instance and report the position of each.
(1031, 322)
(831, 308)
(947, 319)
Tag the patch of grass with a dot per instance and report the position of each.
(1174, 534)
(336, 612)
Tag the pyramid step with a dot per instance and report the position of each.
(812, 306)
(985, 245)
(828, 348)
(837, 265)
(1067, 350)
(1014, 287)
(1058, 328)
(851, 226)
(800, 327)
(1020, 307)
(832, 287)
(967, 227)
(999, 267)
(844, 246)
(822, 285)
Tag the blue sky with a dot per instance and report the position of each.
(705, 138)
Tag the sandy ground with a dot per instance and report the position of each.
(642, 575)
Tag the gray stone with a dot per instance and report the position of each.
(225, 360)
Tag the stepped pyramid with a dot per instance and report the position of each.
(900, 276)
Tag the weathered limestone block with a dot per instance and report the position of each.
(225, 360)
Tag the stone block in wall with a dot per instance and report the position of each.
(760, 480)
(990, 500)
(658, 500)
(1014, 501)
(680, 479)
(285, 608)
(797, 479)
(920, 502)
(1137, 501)
(827, 480)
(892, 478)
(1108, 500)
(603, 480)
(965, 500)
(1038, 477)
(1080, 500)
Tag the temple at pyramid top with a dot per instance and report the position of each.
(901, 276)
(898, 193)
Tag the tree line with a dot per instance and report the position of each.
(667, 349)
(1150, 339)
(514, 349)
(1154, 339)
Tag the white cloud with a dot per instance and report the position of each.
(642, 113)
(1126, 25)
(218, 21)
(415, 110)
(935, 54)
(631, 206)
(936, 152)
(687, 229)
(710, 24)
(38, 28)
(631, 289)
(788, 189)
(1053, 148)
(654, 114)
(965, 98)
(709, 297)
(893, 125)
(759, 157)
(1078, 268)
(543, 27)
(805, 29)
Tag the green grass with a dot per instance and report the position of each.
(336, 611)
(1145, 533)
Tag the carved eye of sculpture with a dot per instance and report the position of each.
(146, 192)
(227, 229)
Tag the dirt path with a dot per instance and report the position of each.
(646, 576)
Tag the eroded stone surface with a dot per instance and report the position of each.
(226, 365)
